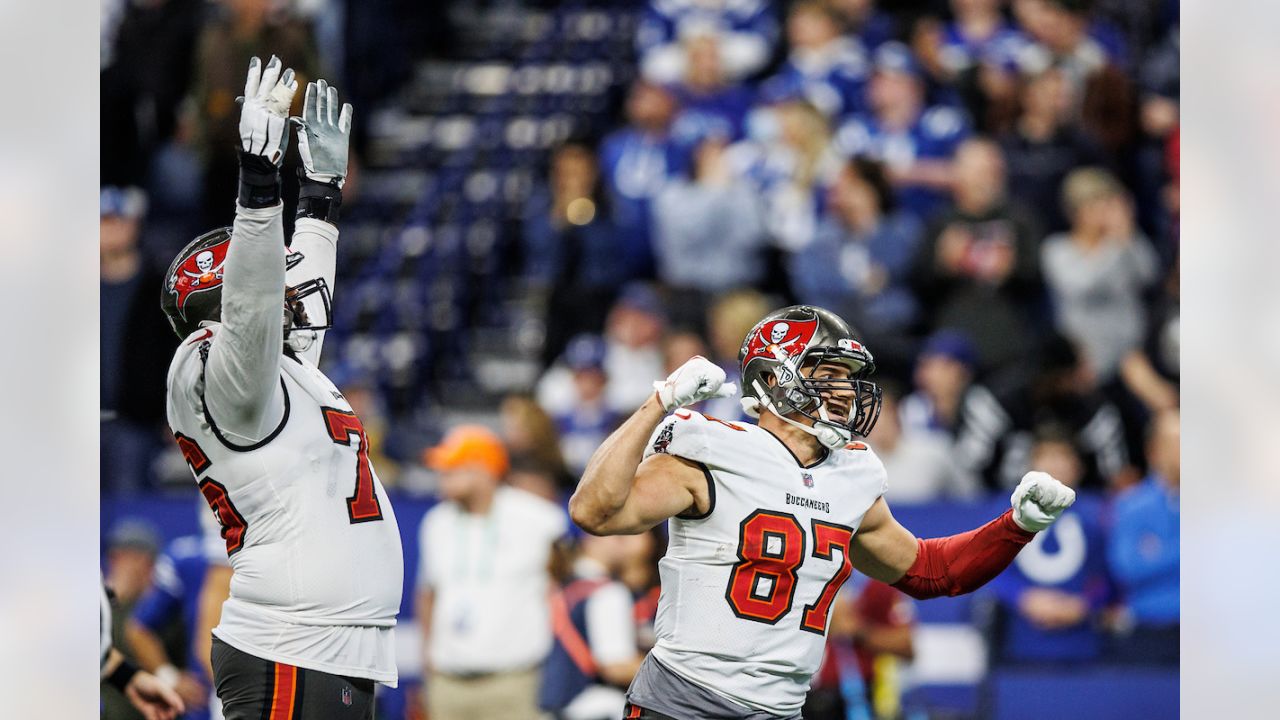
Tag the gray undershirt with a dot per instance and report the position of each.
(657, 688)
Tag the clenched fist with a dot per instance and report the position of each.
(695, 381)
(1038, 500)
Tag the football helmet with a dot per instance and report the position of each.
(802, 337)
(192, 292)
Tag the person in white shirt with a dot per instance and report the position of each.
(483, 584)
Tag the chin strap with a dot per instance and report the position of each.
(828, 435)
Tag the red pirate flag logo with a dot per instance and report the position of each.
(791, 336)
(198, 273)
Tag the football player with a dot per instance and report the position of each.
(768, 520)
(317, 569)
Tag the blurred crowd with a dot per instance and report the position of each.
(987, 190)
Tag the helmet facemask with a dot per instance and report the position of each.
(307, 312)
(794, 392)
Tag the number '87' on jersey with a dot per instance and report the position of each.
(747, 588)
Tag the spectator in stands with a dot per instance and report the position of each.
(1098, 272)
(243, 29)
(920, 464)
(595, 652)
(948, 404)
(709, 232)
(1065, 394)
(131, 549)
(636, 161)
(588, 420)
(729, 319)
(915, 141)
(633, 334)
(1159, 92)
(1151, 372)
(860, 261)
(534, 445)
(980, 36)
(710, 102)
(746, 32)
(482, 583)
(1049, 598)
(791, 165)
(978, 269)
(133, 345)
(572, 248)
(145, 76)
(1092, 60)
(1044, 145)
(862, 18)
(1144, 549)
(170, 610)
(679, 346)
(824, 67)
(872, 626)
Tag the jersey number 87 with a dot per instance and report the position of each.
(771, 548)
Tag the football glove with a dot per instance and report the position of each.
(264, 110)
(695, 381)
(323, 134)
(1038, 500)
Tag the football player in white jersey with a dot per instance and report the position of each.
(768, 520)
(317, 566)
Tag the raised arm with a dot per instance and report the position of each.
(324, 133)
(619, 494)
(242, 375)
(957, 564)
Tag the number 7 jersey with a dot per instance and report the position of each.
(747, 588)
(311, 536)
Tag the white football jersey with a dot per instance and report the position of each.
(747, 589)
(311, 535)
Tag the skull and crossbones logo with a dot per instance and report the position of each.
(208, 273)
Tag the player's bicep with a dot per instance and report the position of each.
(882, 548)
(664, 485)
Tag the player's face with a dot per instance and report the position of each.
(838, 401)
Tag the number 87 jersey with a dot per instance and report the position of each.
(311, 536)
(747, 588)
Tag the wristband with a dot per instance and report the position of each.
(318, 200)
(259, 182)
(120, 677)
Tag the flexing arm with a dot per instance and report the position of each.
(957, 564)
(619, 494)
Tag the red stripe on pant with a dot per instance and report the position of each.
(283, 692)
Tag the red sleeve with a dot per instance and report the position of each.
(963, 563)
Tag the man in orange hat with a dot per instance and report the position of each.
(482, 583)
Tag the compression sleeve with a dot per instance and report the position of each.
(963, 563)
(242, 373)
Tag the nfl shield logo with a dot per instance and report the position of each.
(346, 696)
(808, 479)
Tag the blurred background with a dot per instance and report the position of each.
(553, 204)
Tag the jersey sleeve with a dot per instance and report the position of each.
(242, 390)
(317, 241)
(682, 434)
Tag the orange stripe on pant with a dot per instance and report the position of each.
(282, 694)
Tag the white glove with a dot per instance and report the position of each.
(695, 381)
(323, 134)
(1038, 500)
(264, 115)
